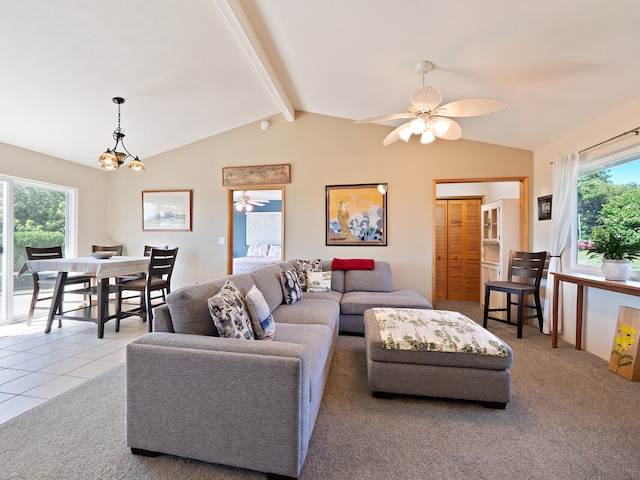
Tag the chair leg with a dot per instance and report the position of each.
(520, 314)
(118, 308)
(148, 314)
(536, 296)
(508, 308)
(487, 296)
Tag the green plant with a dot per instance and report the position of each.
(613, 247)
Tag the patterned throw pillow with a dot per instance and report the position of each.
(290, 286)
(258, 250)
(318, 281)
(304, 266)
(263, 325)
(229, 313)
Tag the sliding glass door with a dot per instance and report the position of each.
(31, 214)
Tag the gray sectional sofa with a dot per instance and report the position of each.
(249, 404)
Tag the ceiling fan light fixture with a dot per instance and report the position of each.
(441, 126)
(248, 207)
(427, 137)
(405, 134)
(417, 126)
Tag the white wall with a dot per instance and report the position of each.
(601, 308)
(92, 185)
(322, 151)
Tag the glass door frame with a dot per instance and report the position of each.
(7, 273)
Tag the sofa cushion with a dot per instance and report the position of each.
(355, 303)
(291, 289)
(261, 320)
(229, 313)
(309, 311)
(377, 280)
(330, 295)
(189, 309)
(267, 279)
(304, 266)
(318, 281)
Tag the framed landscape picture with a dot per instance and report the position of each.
(356, 214)
(167, 210)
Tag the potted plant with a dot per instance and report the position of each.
(617, 251)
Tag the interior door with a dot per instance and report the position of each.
(457, 249)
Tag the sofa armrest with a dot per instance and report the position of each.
(219, 400)
(162, 319)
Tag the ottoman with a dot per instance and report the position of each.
(435, 353)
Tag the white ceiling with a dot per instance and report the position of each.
(196, 68)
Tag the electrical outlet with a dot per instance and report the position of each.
(221, 240)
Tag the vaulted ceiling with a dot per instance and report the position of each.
(196, 68)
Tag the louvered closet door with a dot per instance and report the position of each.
(441, 250)
(472, 251)
(458, 249)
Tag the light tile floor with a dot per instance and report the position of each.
(35, 366)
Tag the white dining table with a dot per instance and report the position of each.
(103, 269)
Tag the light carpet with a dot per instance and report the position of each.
(569, 418)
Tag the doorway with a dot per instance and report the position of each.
(470, 187)
(256, 228)
(31, 214)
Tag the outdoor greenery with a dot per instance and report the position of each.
(609, 219)
(39, 221)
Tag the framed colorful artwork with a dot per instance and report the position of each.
(356, 214)
(167, 210)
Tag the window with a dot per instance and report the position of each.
(608, 202)
(31, 214)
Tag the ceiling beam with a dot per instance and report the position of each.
(244, 32)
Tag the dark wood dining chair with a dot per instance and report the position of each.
(158, 277)
(47, 281)
(528, 268)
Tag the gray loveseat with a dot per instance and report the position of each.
(249, 404)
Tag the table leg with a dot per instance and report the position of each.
(103, 305)
(56, 299)
(579, 305)
(554, 323)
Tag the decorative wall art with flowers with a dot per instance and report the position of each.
(624, 353)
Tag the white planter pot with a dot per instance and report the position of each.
(616, 269)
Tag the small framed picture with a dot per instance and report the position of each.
(166, 210)
(544, 207)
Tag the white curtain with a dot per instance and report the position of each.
(564, 202)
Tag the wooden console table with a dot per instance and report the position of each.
(582, 280)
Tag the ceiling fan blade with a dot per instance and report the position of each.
(426, 97)
(382, 118)
(454, 132)
(394, 135)
(471, 107)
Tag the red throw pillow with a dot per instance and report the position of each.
(352, 264)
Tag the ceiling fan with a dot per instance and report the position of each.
(245, 203)
(431, 120)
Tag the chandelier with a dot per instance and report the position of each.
(111, 159)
